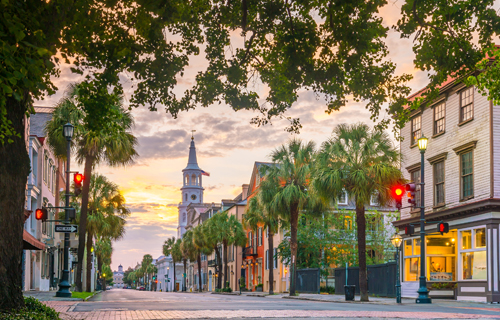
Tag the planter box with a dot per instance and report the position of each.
(258, 289)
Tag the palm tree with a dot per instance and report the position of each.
(147, 267)
(230, 233)
(291, 173)
(212, 229)
(176, 256)
(201, 248)
(103, 249)
(168, 250)
(260, 212)
(113, 144)
(107, 213)
(188, 253)
(363, 163)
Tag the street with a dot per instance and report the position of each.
(118, 304)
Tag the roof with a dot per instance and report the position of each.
(192, 160)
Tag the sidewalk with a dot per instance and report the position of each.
(47, 296)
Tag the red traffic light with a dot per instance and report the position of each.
(78, 178)
(397, 194)
(398, 191)
(41, 214)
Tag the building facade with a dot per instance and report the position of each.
(118, 277)
(462, 187)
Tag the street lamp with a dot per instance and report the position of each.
(423, 293)
(396, 241)
(64, 285)
(168, 276)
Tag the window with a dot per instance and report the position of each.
(412, 259)
(439, 183)
(439, 113)
(343, 199)
(260, 236)
(347, 222)
(473, 254)
(441, 256)
(466, 172)
(415, 178)
(416, 129)
(374, 223)
(250, 241)
(467, 104)
(374, 199)
(45, 167)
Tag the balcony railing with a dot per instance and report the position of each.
(249, 251)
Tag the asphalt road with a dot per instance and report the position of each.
(133, 300)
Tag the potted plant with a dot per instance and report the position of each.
(443, 290)
(259, 287)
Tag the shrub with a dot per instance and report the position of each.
(329, 289)
(227, 289)
(34, 310)
(260, 285)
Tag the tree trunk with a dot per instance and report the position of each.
(173, 261)
(184, 285)
(14, 169)
(294, 218)
(89, 262)
(363, 277)
(225, 264)
(270, 261)
(89, 161)
(219, 264)
(200, 289)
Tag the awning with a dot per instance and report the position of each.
(31, 243)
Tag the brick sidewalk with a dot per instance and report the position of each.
(66, 307)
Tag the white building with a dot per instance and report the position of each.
(118, 277)
(462, 188)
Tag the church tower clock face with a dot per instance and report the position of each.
(193, 197)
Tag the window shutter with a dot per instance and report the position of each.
(275, 258)
(267, 259)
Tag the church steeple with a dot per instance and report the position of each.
(192, 161)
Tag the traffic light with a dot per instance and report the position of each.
(156, 281)
(409, 230)
(411, 187)
(78, 179)
(443, 227)
(397, 194)
(41, 214)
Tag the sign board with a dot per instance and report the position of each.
(66, 228)
(441, 276)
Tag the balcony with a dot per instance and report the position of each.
(212, 263)
(250, 251)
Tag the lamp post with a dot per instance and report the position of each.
(64, 285)
(423, 293)
(168, 276)
(396, 242)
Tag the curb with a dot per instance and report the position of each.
(337, 301)
(96, 292)
(227, 293)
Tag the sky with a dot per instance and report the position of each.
(227, 147)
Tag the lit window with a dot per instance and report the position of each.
(473, 254)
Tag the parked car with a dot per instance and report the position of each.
(141, 288)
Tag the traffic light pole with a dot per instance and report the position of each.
(64, 283)
(423, 293)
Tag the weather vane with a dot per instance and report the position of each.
(192, 134)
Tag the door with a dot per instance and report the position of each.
(32, 272)
(210, 280)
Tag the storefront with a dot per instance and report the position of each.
(464, 261)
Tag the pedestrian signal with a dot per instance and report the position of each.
(443, 227)
(41, 214)
(409, 230)
(78, 179)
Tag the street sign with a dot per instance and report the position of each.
(66, 228)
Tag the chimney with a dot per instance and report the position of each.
(244, 191)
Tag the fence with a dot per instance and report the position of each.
(307, 280)
(381, 279)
